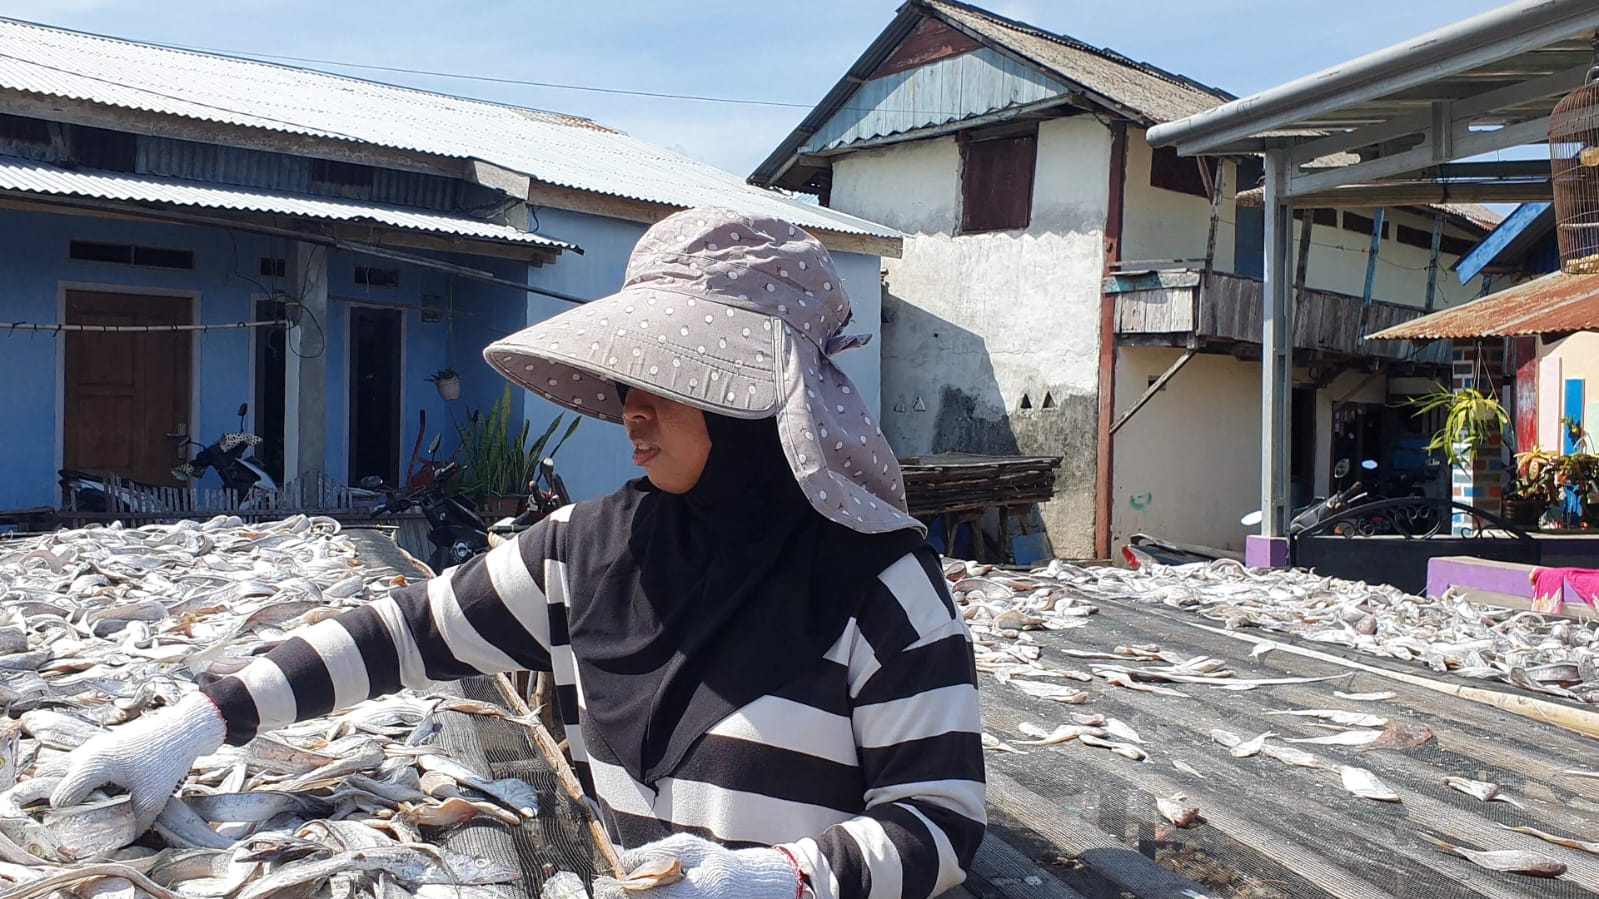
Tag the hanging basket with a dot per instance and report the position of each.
(449, 388)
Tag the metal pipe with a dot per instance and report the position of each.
(1467, 44)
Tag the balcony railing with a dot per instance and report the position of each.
(1171, 305)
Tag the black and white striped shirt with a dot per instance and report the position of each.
(869, 768)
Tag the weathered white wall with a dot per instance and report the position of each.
(1338, 262)
(1578, 357)
(1188, 464)
(976, 321)
(1167, 224)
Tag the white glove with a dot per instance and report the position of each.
(148, 757)
(709, 872)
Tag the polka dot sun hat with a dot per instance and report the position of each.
(737, 315)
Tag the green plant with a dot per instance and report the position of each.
(1537, 476)
(1472, 419)
(444, 374)
(500, 461)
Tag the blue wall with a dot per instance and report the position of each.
(35, 267)
(34, 263)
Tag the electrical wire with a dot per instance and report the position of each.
(249, 56)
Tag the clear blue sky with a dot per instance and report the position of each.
(785, 52)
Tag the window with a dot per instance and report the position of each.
(1169, 171)
(341, 174)
(1319, 216)
(274, 266)
(1363, 225)
(372, 276)
(997, 183)
(109, 151)
(17, 129)
(130, 254)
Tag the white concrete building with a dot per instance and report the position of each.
(1053, 269)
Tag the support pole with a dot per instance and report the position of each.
(1276, 369)
(1371, 258)
(307, 367)
(1104, 457)
(1154, 388)
(1432, 260)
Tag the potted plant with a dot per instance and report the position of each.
(448, 383)
(500, 460)
(1534, 487)
(1472, 419)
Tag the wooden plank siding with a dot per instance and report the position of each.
(1231, 311)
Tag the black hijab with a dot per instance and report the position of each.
(687, 607)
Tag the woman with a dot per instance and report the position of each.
(759, 667)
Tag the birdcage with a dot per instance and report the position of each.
(1574, 166)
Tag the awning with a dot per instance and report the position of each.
(1557, 303)
(20, 177)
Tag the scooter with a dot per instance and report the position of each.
(455, 530)
(241, 476)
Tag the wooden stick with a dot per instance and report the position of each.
(557, 761)
(1577, 720)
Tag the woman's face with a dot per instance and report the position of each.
(669, 440)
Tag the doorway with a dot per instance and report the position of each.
(271, 365)
(376, 339)
(127, 395)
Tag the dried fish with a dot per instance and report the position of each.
(1054, 692)
(1535, 652)
(101, 624)
(996, 744)
(1186, 768)
(1568, 842)
(1336, 716)
(1125, 750)
(1342, 738)
(1365, 697)
(1508, 861)
(1366, 785)
(1478, 789)
(1062, 734)
(1121, 731)
(1248, 748)
(1175, 810)
(1288, 755)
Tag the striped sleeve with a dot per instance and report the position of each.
(915, 714)
(485, 616)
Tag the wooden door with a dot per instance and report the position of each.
(127, 392)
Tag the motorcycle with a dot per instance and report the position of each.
(241, 476)
(1318, 510)
(455, 530)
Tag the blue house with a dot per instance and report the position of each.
(183, 233)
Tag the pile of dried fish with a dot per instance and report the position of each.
(1536, 652)
(100, 624)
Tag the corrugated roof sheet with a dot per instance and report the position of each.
(553, 148)
(1553, 304)
(24, 177)
(1145, 90)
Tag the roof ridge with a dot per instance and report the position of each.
(186, 51)
(1076, 43)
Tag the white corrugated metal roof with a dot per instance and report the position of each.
(556, 149)
(22, 176)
